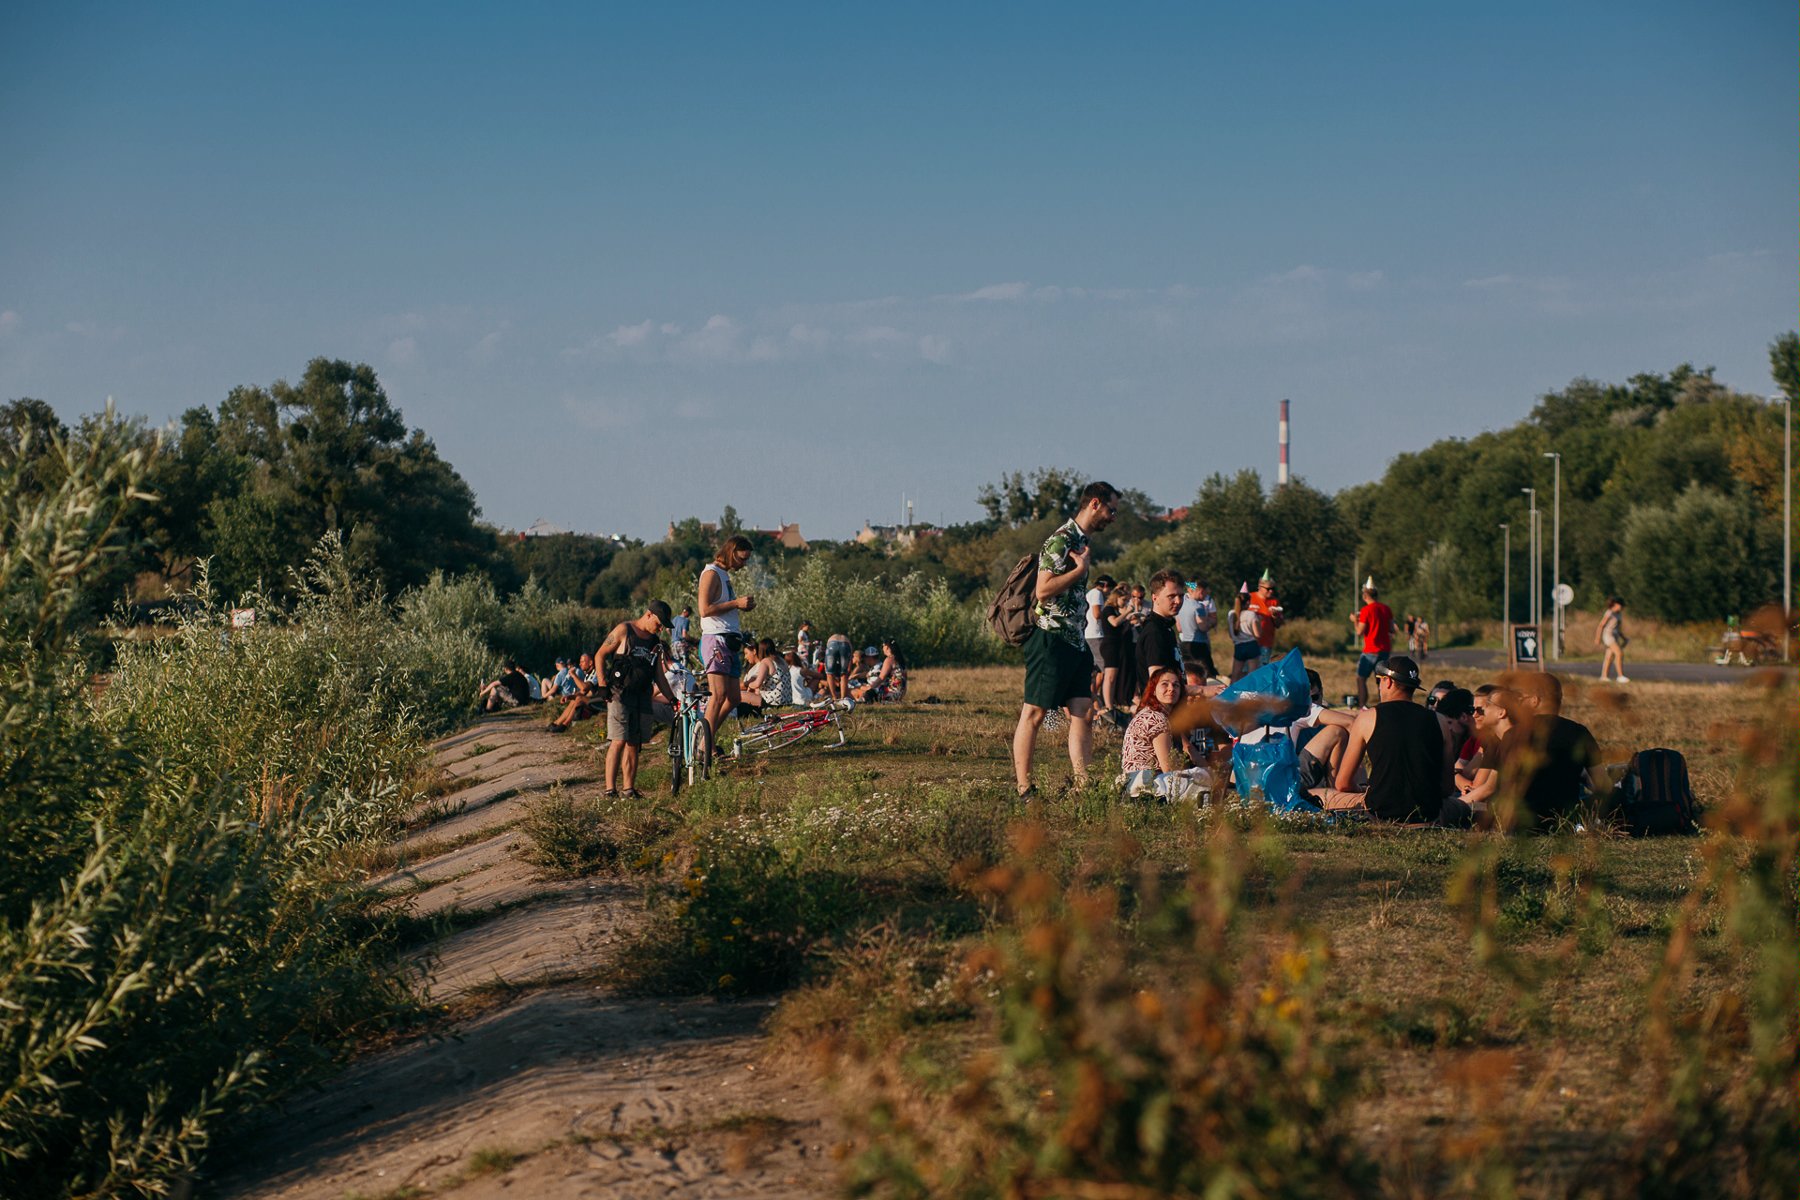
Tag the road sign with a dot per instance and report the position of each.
(1564, 595)
(243, 618)
(1526, 649)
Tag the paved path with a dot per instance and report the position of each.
(1450, 662)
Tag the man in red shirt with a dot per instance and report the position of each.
(1269, 608)
(1375, 627)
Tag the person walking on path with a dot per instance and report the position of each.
(630, 661)
(1058, 668)
(721, 636)
(1610, 634)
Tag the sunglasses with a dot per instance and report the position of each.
(1478, 710)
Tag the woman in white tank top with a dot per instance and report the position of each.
(720, 634)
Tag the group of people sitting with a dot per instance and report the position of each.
(1501, 755)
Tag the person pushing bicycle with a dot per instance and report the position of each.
(630, 661)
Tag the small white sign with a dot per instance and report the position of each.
(1564, 595)
(243, 618)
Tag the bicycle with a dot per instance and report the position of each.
(690, 742)
(783, 730)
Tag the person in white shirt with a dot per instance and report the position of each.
(1093, 631)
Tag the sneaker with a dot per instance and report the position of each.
(1028, 795)
(1622, 679)
(631, 794)
(553, 727)
(609, 793)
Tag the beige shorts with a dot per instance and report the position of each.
(634, 722)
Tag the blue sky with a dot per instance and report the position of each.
(624, 264)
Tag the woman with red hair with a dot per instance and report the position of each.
(1149, 745)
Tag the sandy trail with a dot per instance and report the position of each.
(552, 1085)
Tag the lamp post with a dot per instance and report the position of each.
(1787, 521)
(1556, 609)
(1506, 590)
(1531, 557)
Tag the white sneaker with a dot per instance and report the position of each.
(1621, 679)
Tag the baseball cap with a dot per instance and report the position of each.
(1402, 670)
(660, 609)
(871, 651)
(1457, 702)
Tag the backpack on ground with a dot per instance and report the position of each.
(1654, 798)
(1010, 613)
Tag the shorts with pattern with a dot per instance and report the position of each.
(718, 658)
(837, 658)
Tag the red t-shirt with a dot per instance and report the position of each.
(1265, 605)
(1377, 620)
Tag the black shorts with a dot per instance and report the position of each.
(1056, 670)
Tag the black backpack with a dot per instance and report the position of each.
(1010, 613)
(1654, 798)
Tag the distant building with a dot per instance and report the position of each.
(1176, 516)
(895, 537)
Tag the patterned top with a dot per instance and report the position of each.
(1063, 614)
(1140, 740)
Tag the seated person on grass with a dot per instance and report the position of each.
(1479, 783)
(512, 689)
(1548, 763)
(886, 681)
(1319, 737)
(1404, 745)
(585, 701)
(630, 660)
(805, 682)
(1149, 743)
(766, 683)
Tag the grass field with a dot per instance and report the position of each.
(1425, 1012)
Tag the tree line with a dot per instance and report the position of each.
(1671, 495)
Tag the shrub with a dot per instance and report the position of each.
(178, 934)
(571, 835)
(924, 617)
(744, 918)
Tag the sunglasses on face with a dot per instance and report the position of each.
(1478, 710)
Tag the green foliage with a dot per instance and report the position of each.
(528, 626)
(1696, 558)
(573, 835)
(927, 622)
(565, 564)
(745, 918)
(177, 933)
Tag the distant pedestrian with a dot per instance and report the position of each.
(1375, 630)
(1058, 669)
(1610, 634)
(1269, 614)
(1246, 648)
(1094, 631)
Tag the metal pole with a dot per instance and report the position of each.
(1531, 555)
(1506, 592)
(1787, 522)
(1556, 608)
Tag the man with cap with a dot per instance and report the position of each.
(630, 661)
(1196, 620)
(1404, 745)
(1375, 630)
(1268, 608)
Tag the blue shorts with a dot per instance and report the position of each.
(1365, 666)
(837, 658)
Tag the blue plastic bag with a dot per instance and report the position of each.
(1280, 692)
(1271, 767)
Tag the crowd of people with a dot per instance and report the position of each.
(1500, 753)
(640, 671)
(1137, 656)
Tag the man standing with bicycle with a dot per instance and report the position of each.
(721, 635)
(630, 660)
(1058, 668)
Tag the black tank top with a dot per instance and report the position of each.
(1406, 763)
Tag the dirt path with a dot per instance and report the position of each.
(551, 1086)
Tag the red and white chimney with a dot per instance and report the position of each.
(1281, 472)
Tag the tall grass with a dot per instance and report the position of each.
(179, 934)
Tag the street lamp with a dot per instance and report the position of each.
(1506, 590)
(1556, 609)
(1531, 558)
(1787, 521)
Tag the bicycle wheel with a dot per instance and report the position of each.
(699, 759)
(677, 761)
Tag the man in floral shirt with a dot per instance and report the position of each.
(1058, 668)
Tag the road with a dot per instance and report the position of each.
(1452, 661)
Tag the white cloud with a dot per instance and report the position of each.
(1364, 281)
(934, 347)
(876, 335)
(630, 335)
(487, 348)
(715, 341)
(403, 350)
(809, 336)
(1490, 281)
(994, 291)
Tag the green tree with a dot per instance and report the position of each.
(1697, 559)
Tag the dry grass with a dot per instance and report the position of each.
(1412, 997)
